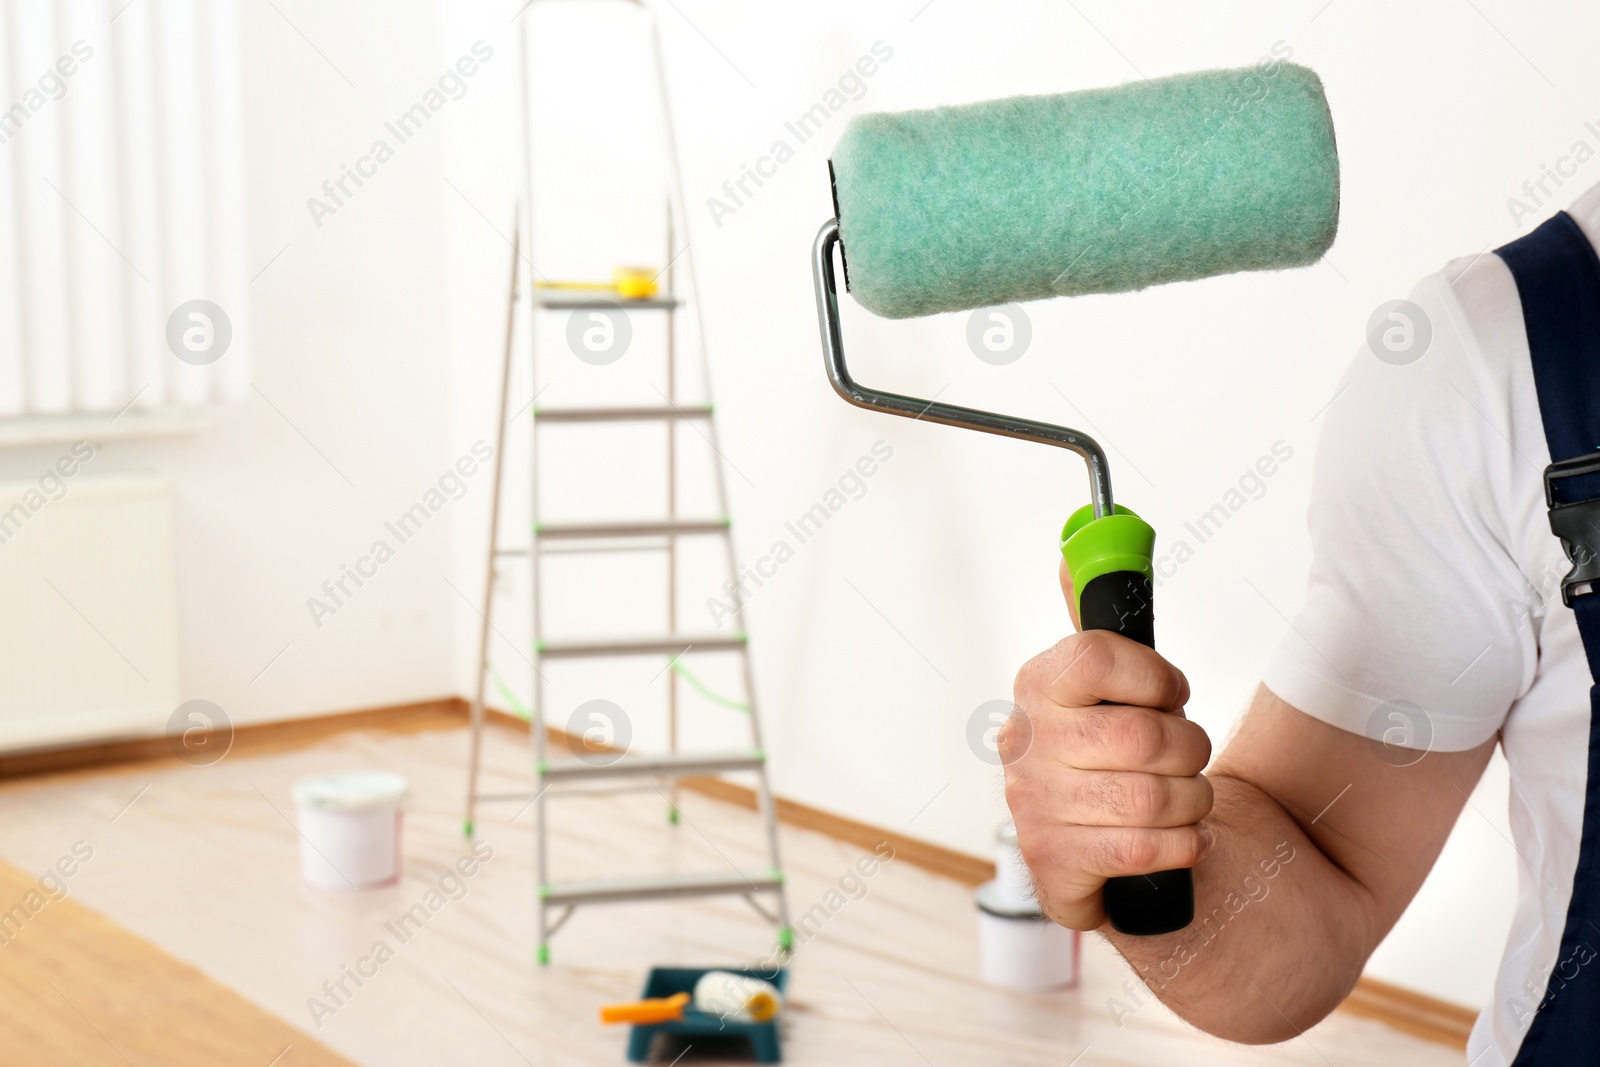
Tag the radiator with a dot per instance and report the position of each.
(89, 637)
(121, 204)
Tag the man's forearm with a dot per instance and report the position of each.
(1280, 932)
(1307, 841)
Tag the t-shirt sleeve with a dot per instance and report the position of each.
(1415, 626)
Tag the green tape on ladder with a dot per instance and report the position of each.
(701, 688)
(508, 696)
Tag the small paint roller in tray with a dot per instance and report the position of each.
(735, 997)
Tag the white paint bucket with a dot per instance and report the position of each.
(1013, 882)
(1019, 948)
(350, 828)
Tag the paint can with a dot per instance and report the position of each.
(350, 828)
(1018, 947)
(1013, 881)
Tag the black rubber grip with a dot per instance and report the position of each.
(1162, 902)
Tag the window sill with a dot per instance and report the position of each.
(23, 430)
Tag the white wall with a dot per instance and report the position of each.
(345, 427)
(917, 602)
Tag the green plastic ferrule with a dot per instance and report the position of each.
(1092, 547)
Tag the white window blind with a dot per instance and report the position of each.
(121, 202)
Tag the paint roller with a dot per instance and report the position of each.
(1097, 191)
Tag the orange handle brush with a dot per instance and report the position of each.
(644, 1012)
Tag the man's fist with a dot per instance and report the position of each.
(1102, 771)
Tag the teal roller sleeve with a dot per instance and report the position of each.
(1098, 191)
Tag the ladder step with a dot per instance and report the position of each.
(640, 646)
(660, 887)
(572, 531)
(623, 414)
(574, 301)
(672, 765)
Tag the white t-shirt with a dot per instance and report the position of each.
(1436, 581)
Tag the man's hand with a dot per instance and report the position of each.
(1103, 771)
(1326, 840)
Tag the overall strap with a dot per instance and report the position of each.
(1558, 281)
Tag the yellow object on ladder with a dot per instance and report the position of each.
(630, 283)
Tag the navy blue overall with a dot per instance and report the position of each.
(1558, 280)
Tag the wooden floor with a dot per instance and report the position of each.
(76, 988)
(200, 862)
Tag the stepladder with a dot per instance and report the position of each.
(620, 691)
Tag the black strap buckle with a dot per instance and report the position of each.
(1577, 523)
